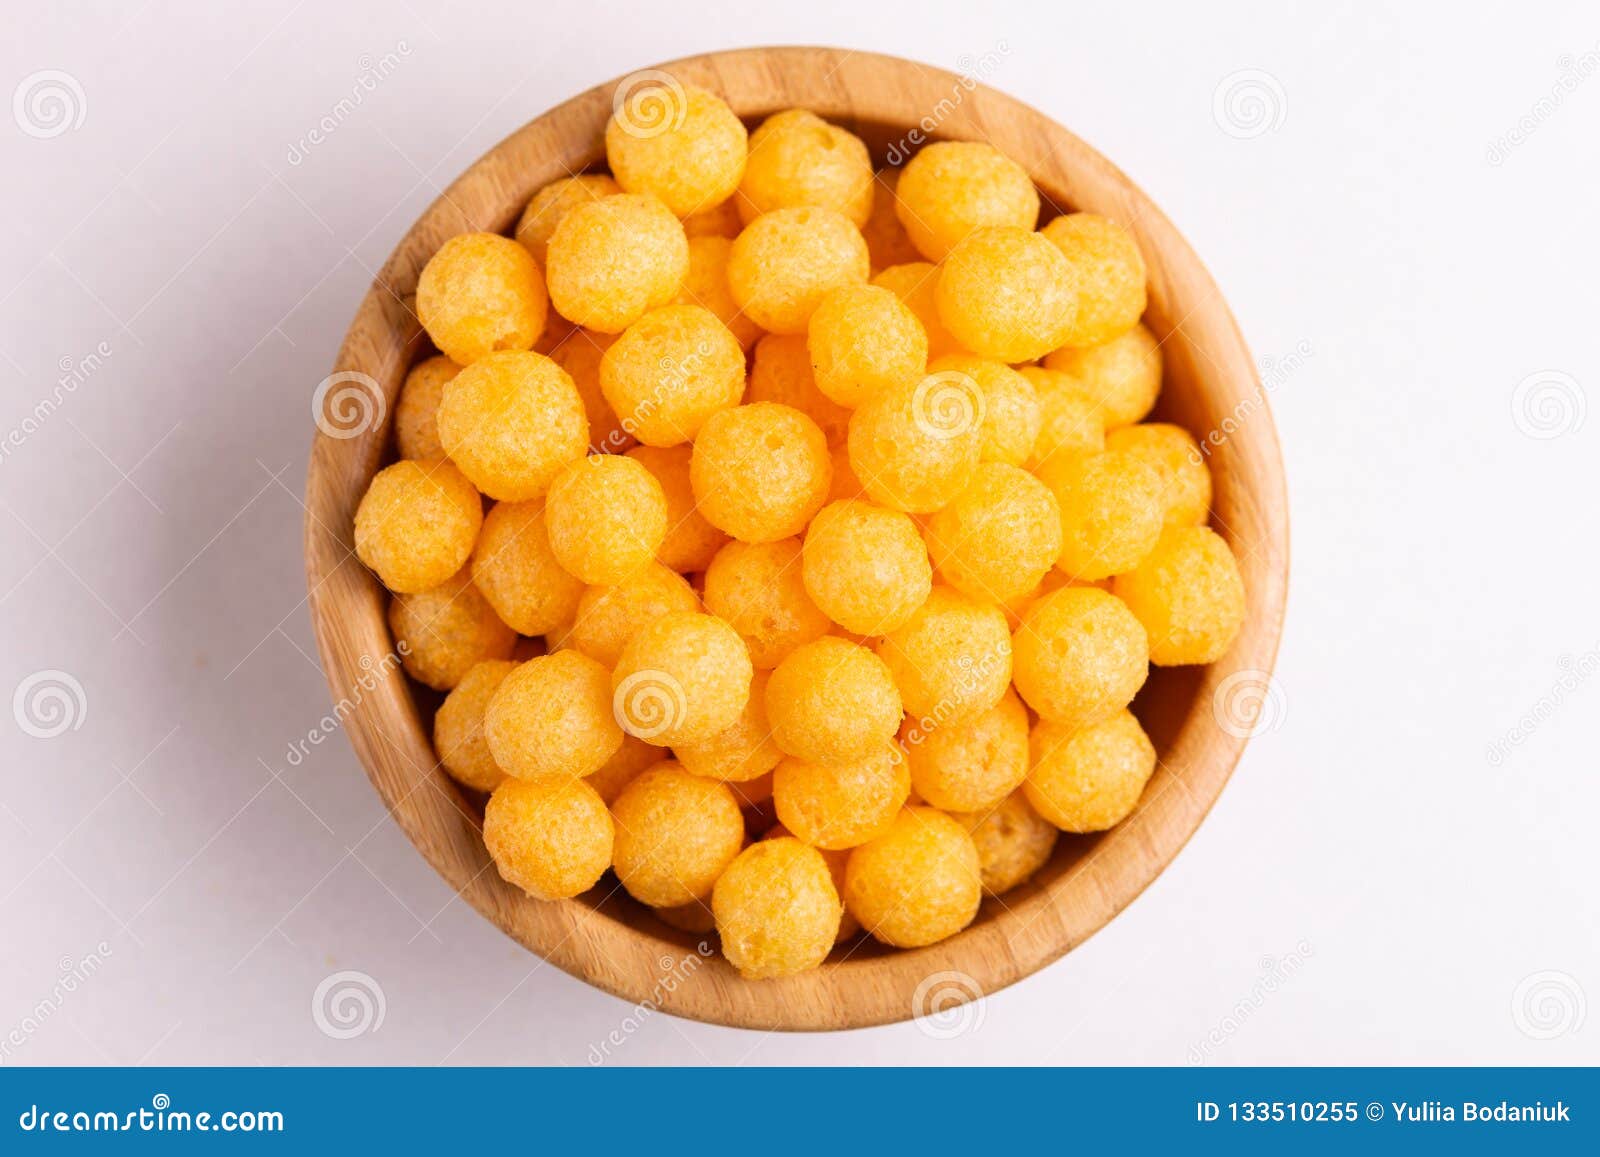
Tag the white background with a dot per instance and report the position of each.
(1444, 555)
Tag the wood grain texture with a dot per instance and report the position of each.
(609, 940)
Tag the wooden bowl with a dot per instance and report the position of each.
(606, 938)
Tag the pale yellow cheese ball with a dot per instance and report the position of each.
(613, 260)
(519, 574)
(511, 421)
(758, 590)
(606, 516)
(551, 203)
(971, 764)
(1079, 655)
(1013, 840)
(951, 188)
(481, 293)
(1110, 276)
(1122, 377)
(917, 883)
(1012, 415)
(551, 838)
(552, 717)
(718, 221)
(676, 833)
(416, 524)
(682, 144)
(865, 566)
(1172, 450)
(760, 471)
(682, 677)
(863, 340)
(840, 805)
(999, 537)
(832, 702)
(1007, 293)
(740, 752)
(781, 372)
(786, 261)
(691, 542)
(579, 353)
(776, 908)
(1189, 595)
(416, 422)
(609, 615)
(458, 734)
(917, 284)
(915, 446)
(1070, 421)
(616, 773)
(951, 659)
(1111, 513)
(670, 371)
(707, 287)
(445, 631)
(1088, 777)
(888, 243)
(797, 159)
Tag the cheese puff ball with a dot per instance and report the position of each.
(952, 658)
(832, 702)
(863, 340)
(607, 517)
(707, 286)
(1111, 513)
(610, 261)
(616, 773)
(551, 838)
(1011, 411)
(951, 188)
(718, 221)
(776, 908)
(840, 805)
(888, 243)
(740, 752)
(1110, 276)
(798, 159)
(551, 203)
(845, 483)
(1007, 293)
(1013, 840)
(1188, 594)
(511, 421)
(416, 524)
(608, 616)
(416, 425)
(760, 471)
(691, 159)
(691, 542)
(552, 717)
(785, 262)
(917, 284)
(1070, 421)
(917, 883)
(781, 372)
(682, 678)
(865, 566)
(1172, 450)
(1088, 777)
(670, 371)
(999, 537)
(481, 293)
(971, 765)
(836, 861)
(1122, 377)
(458, 734)
(676, 833)
(447, 630)
(758, 590)
(517, 571)
(1079, 655)
(915, 446)
(579, 353)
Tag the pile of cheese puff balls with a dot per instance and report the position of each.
(826, 546)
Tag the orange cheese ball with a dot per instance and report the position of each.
(1013, 840)
(781, 372)
(917, 284)
(1079, 655)
(416, 425)
(917, 883)
(1109, 275)
(832, 702)
(798, 159)
(888, 243)
(608, 616)
(616, 773)
(517, 571)
(952, 658)
(446, 631)
(915, 446)
(836, 861)
(865, 566)
(970, 765)
(458, 734)
(481, 293)
(951, 188)
(607, 517)
(551, 838)
(676, 833)
(760, 471)
(1011, 412)
(1122, 377)
(786, 261)
(551, 203)
(776, 908)
(1172, 450)
(683, 677)
(707, 287)
(759, 591)
(552, 717)
(1088, 777)
(511, 421)
(1007, 293)
(999, 537)
(840, 805)
(718, 221)
(863, 340)
(416, 524)
(740, 752)
(1111, 513)
(691, 542)
(1070, 422)
(670, 371)
(1188, 594)
(682, 144)
(579, 353)
(612, 260)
